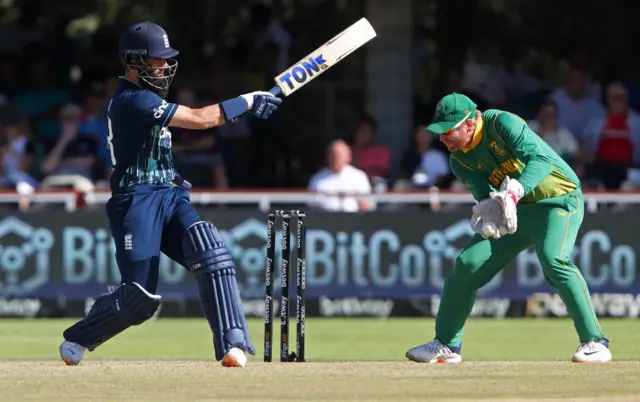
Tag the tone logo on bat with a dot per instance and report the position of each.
(303, 70)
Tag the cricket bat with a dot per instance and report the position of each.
(323, 58)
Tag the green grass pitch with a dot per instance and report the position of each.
(348, 359)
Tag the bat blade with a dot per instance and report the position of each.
(323, 58)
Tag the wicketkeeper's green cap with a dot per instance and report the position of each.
(451, 112)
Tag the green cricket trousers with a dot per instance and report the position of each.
(551, 227)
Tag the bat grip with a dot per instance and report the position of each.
(275, 91)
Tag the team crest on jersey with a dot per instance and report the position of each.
(499, 151)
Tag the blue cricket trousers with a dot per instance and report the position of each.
(144, 224)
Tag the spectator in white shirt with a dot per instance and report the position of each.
(18, 151)
(337, 184)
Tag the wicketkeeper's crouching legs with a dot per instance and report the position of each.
(558, 228)
(565, 278)
(208, 258)
(552, 228)
(476, 265)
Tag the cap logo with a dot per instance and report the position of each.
(437, 113)
(166, 41)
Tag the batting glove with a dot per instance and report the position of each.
(261, 104)
(511, 191)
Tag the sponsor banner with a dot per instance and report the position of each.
(605, 305)
(383, 256)
(617, 305)
(321, 307)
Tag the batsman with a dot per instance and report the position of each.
(150, 211)
(526, 196)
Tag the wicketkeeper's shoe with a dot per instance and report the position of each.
(235, 357)
(72, 353)
(434, 352)
(593, 352)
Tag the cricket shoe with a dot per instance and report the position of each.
(593, 352)
(434, 352)
(235, 357)
(72, 353)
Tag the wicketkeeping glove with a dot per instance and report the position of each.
(487, 219)
(511, 191)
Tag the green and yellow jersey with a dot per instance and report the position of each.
(503, 145)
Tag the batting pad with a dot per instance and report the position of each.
(209, 260)
(130, 304)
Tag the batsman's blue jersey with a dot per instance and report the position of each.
(139, 141)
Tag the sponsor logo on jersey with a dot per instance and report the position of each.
(505, 169)
(159, 111)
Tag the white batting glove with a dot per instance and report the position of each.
(511, 191)
(251, 97)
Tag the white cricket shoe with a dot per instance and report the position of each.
(235, 357)
(593, 352)
(434, 352)
(72, 353)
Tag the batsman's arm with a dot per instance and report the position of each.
(260, 104)
(198, 119)
(475, 181)
(525, 145)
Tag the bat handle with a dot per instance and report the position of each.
(275, 91)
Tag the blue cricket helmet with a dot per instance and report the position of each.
(144, 40)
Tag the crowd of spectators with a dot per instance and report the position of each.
(594, 126)
(53, 128)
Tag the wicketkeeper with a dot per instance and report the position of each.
(527, 196)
